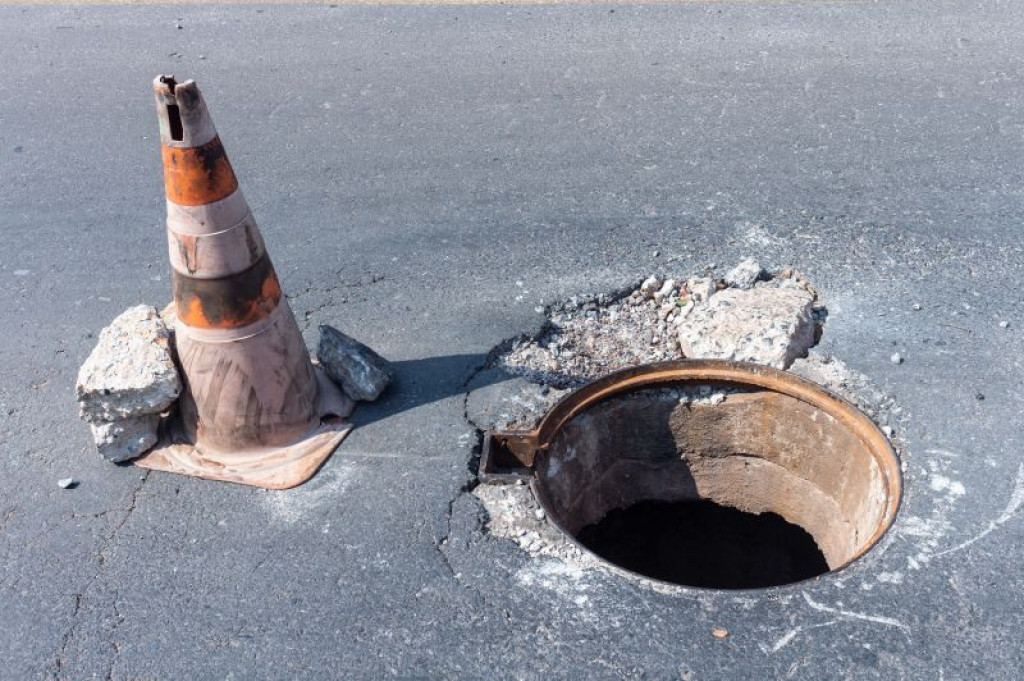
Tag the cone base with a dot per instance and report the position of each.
(270, 468)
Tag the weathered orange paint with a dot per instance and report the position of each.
(230, 302)
(196, 176)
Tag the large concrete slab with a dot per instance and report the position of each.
(425, 177)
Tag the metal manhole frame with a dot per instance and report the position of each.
(510, 455)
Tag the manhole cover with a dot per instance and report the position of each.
(708, 473)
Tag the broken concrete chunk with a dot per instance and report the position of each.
(744, 275)
(361, 372)
(666, 290)
(650, 286)
(767, 324)
(131, 370)
(700, 288)
(127, 438)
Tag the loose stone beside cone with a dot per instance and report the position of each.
(361, 372)
(131, 370)
(127, 381)
(126, 439)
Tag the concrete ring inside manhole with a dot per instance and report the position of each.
(712, 474)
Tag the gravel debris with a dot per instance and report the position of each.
(670, 317)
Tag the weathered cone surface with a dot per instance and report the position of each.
(361, 372)
(131, 370)
(126, 439)
(768, 324)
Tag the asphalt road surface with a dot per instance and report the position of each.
(425, 178)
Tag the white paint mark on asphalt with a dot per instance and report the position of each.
(292, 505)
(849, 614)
(890, 578)
(1012, 506)
(940, 483)
(792, 634)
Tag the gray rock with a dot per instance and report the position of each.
(744, 275)
(67, 483)
(770, 325)
(361, 372)
(126, 438)
(131, 371)
(896, 358)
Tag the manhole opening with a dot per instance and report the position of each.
(704, 544)
(721, 486)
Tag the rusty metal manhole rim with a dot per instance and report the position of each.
(523, 446)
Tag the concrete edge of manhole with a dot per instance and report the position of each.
(515, 511)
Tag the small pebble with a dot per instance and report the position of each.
(67, 483)
(720, 633)
(979, 396)
(887, 430)
(917, 306)
(896, 358)
(539, 514)
(1004, 324)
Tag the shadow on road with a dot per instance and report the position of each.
(423, 381)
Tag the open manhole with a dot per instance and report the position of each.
(771, 481)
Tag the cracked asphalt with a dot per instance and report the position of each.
(426, 178)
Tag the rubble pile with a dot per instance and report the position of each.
(748, 315)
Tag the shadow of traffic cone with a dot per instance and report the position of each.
(254, 410)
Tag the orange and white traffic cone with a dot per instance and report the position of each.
(254, 410)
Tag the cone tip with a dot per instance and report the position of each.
(184, 120)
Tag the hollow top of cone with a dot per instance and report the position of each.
(184, 119)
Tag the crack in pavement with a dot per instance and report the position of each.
(60, 655)
(472, 481)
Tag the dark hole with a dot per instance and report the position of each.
(700, 543)
(174, 118)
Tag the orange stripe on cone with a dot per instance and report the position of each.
(230, 302)
(195, 176)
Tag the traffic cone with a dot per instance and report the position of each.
(254, 409)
